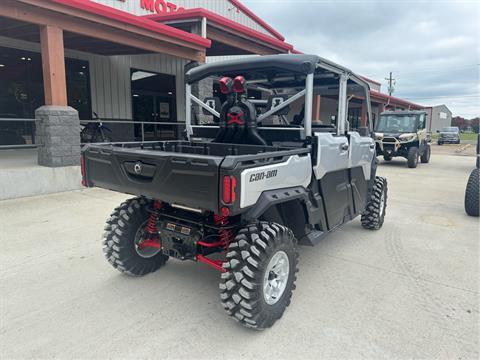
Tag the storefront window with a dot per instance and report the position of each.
(21, 92)
(21, 84)
(78, 87)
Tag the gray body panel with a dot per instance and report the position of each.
(362, 152)
(330, 156)
(337, 153)
(296, 171)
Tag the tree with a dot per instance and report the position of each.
(474, 123)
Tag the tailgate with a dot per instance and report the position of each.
(185, 179)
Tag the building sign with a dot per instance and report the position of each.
(164, 110)
(443, 115)
(159, 6)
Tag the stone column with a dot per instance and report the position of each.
(205, 89)
(58, 133)
(201, 89)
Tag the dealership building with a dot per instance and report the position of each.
(67, 61)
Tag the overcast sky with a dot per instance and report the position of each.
(432, 47)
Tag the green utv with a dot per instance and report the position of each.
(404, 134)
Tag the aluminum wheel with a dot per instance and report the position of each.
(276, 277)
(140, 236)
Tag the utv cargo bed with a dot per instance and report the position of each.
(179, 172)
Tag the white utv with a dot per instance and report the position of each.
(254, 178)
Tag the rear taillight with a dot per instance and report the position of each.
(82, 167)
(228, 192)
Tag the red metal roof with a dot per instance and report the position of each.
(111, 13)
(257, 19)
(394, 100)
(370, 80)
(220, 20)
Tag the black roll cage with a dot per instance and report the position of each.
(305, 73)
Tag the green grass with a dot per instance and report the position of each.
(468, 136)
(463, 136)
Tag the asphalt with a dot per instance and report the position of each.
(409, 290)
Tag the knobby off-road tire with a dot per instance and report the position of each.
(374, 214)
(425, 158)
(471, 193)
(244, 287)
(123, 229)
(412, 157)
(387, 158)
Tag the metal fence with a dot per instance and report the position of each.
(20, 133)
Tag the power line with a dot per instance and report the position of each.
(391, 83)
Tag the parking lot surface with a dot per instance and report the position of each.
(409, 290)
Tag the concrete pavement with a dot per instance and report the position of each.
(409, 290)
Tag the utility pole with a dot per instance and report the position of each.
(391, 84)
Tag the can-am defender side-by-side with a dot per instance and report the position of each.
(403, 133)
(253, 179)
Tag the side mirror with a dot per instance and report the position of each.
(438, 131)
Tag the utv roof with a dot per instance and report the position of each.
(403, 112)
(298, 63)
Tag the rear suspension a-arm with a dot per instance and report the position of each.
(225, 235)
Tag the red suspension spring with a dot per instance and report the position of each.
(151, 228)
(225, 236)
(151, 231)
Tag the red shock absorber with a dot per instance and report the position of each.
(151, 231)
(152, 220)
(225, 236)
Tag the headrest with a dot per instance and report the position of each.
(212, 102)
(275, 100)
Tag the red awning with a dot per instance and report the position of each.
(215, 19)
(139, 21)
(394, 100)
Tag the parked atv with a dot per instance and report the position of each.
(403, 133)
(242, 190)
(472, 198)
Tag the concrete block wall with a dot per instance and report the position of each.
(58, 133)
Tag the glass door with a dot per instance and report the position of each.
(144, 110)
(165, 112)
(153, 99)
